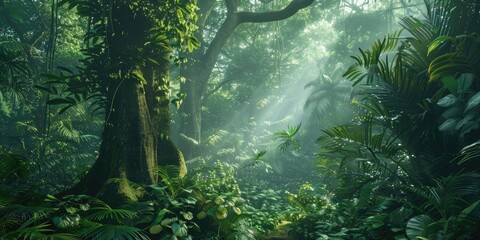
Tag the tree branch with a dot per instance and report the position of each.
(285, 13)
(232, 6)
(220, 85)
(234, 19)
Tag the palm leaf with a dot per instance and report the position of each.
(107, 213)
(287, 138)
(419, 227)
(24, 213)
(121, 232)
(469, 152)
(13, 167)
(368, 63)
(450, 193)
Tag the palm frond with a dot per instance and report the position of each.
(368, 63)
(13, 167)
(101, 232)
(107, 213)
(168, 176)
(469, 153)
(463, 58)
(449, 194)
(24, 213)
(287, 138)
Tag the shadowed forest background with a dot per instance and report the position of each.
(229, 119)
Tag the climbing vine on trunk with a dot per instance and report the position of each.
(130, 46)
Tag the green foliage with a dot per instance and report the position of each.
(461, 106)
(159, 213)
(287, 138)
(329, 98)
(174, 204)
(265, 208)
(219, 195)
(307, 200)
(448, 212)
(401, 189)
(14, 168)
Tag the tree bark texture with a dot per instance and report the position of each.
(136, 137)
(198, 72)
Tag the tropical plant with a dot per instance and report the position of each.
(412, 127)
(219, 196)
(329, 99)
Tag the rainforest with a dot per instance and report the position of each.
(239, 120)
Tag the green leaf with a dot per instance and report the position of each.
(65, 109)
(399, 216)
(66, 221)
(467, 211)
(155, 229)
(168, 221)
(451, 112)
(101, 213)
(57, 101)
(137, 75)
(51, 76)
(449, 125)
(179, 229)
(365, 193)
(418, 227)
(42, 88)
(160, 216)
(468, 118)
(84, 207)
(450, 83)
(189, 200)
(187, 215)
(65, 69)
(464, 82)
(437, 42)
(447, 101)
(473, 102)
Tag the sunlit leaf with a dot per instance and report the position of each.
(437, 42)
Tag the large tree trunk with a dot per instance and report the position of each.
(128, 140)
(202, 63)
(136, 137)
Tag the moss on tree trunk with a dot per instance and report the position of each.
(136, 137)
